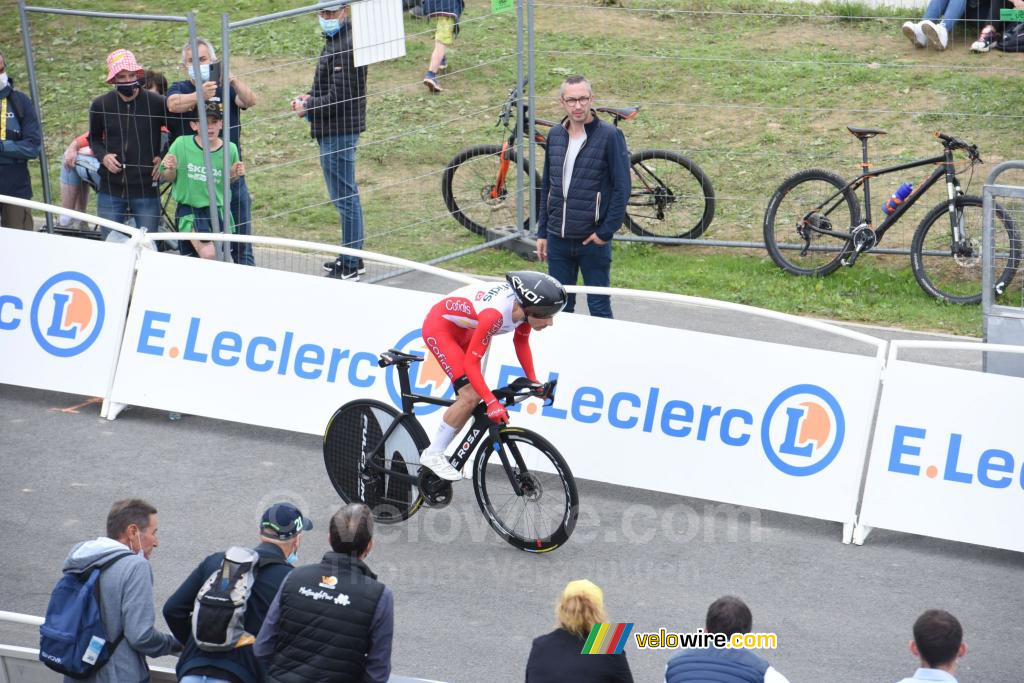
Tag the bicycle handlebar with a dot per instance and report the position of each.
(522, 388)
(953, 143)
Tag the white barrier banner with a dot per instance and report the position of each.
(948, 456)
(259, 346)
(62, 304)
(733, 420)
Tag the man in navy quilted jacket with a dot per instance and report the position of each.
(583, 196)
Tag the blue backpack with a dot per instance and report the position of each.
(72, 639)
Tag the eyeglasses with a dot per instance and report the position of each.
(573, 101)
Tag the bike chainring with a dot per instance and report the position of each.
(437, 492)
(864, 238)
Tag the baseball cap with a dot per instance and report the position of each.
(585, 588)
(122, 60)
(330, 8)
(283, 521)
(215, 108)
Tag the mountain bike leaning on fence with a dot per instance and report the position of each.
(523, 485)
(670, 197)
(813, 225)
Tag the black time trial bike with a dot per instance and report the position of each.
(813, 225)
(523, 485)
(670, 195)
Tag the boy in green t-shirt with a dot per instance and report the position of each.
(189, 189)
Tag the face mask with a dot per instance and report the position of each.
(293, 559)
(330, 27)
(128, 89)
(139, 551)
(204, 72)
(3, 80)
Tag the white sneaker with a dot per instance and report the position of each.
(912, 30)
(437, 463)
(936, 34)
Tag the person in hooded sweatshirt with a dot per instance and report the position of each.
(126, 590)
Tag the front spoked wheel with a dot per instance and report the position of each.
(478, 197)
(366, 468)
(952, 271)
(803, 235)
(543, 515)
(670, 196)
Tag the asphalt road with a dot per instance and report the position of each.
(468, 605)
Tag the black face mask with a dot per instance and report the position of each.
(128, 89)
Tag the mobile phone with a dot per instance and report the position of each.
(215, 72)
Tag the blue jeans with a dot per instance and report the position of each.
(338, 160)
(145, 211)
(567, 258)
(241, 213)
(192, 678)
(950, 11)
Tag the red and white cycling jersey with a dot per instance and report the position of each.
(458, 331)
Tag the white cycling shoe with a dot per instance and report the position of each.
(437, 463)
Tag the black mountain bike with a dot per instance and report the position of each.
(813, 225)
(670, 195)
(522, 483)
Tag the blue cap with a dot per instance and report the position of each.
(283, 521)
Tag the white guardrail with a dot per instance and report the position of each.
(710, 416)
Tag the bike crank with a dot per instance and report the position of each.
(863, 239)
(437, 492)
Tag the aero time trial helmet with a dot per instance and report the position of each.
(538, 294)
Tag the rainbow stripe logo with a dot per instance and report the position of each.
(607, 639)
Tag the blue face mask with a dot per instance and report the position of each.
(293, 559)
(204, 72)
(330, 27)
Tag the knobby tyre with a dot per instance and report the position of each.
(789, 212)
(469, 186)
(670, 196)
(351, 441)
(956, 276)
(542, 518)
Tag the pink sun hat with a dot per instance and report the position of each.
(122, 60)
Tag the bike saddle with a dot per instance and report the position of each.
(864, 133)
(620, 113)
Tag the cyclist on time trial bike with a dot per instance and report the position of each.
(458, 331)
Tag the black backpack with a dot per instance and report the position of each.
(1013, 39)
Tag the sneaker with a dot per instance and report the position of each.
(340, 271)
(361, 267)
(439, 465)
(986, 41)
(444, 63)
(430, 80)
(912, 30)
(936, 34)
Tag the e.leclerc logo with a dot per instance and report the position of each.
(424, 378)
(802, 430)
(66, 315)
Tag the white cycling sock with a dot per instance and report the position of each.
(443, 437)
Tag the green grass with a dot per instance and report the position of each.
(753, 90)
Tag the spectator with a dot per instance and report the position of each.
(991, 32)
(332, 621)
(938, 644)
(556, 658)
(126, 590)
(154, 82)
(281, 530)
(182, 99)
(124, 131)
(78, 170)
(190, 190)
(447, 13)
(336, 110)
(576, 221)
(20, 140)
(926, 32)
(730, 616)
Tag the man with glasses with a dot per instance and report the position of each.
(335, 107)
(583, 196)
(20, 140)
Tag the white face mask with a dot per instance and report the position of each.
(3, 80)
(139, 551)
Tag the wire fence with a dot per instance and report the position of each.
(750, 96)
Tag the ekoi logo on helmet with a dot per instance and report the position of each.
(803, 429)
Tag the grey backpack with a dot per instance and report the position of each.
(218, 616)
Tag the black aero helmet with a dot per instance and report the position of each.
(538, 294)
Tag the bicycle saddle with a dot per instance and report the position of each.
(864, 133)
(620, 113)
